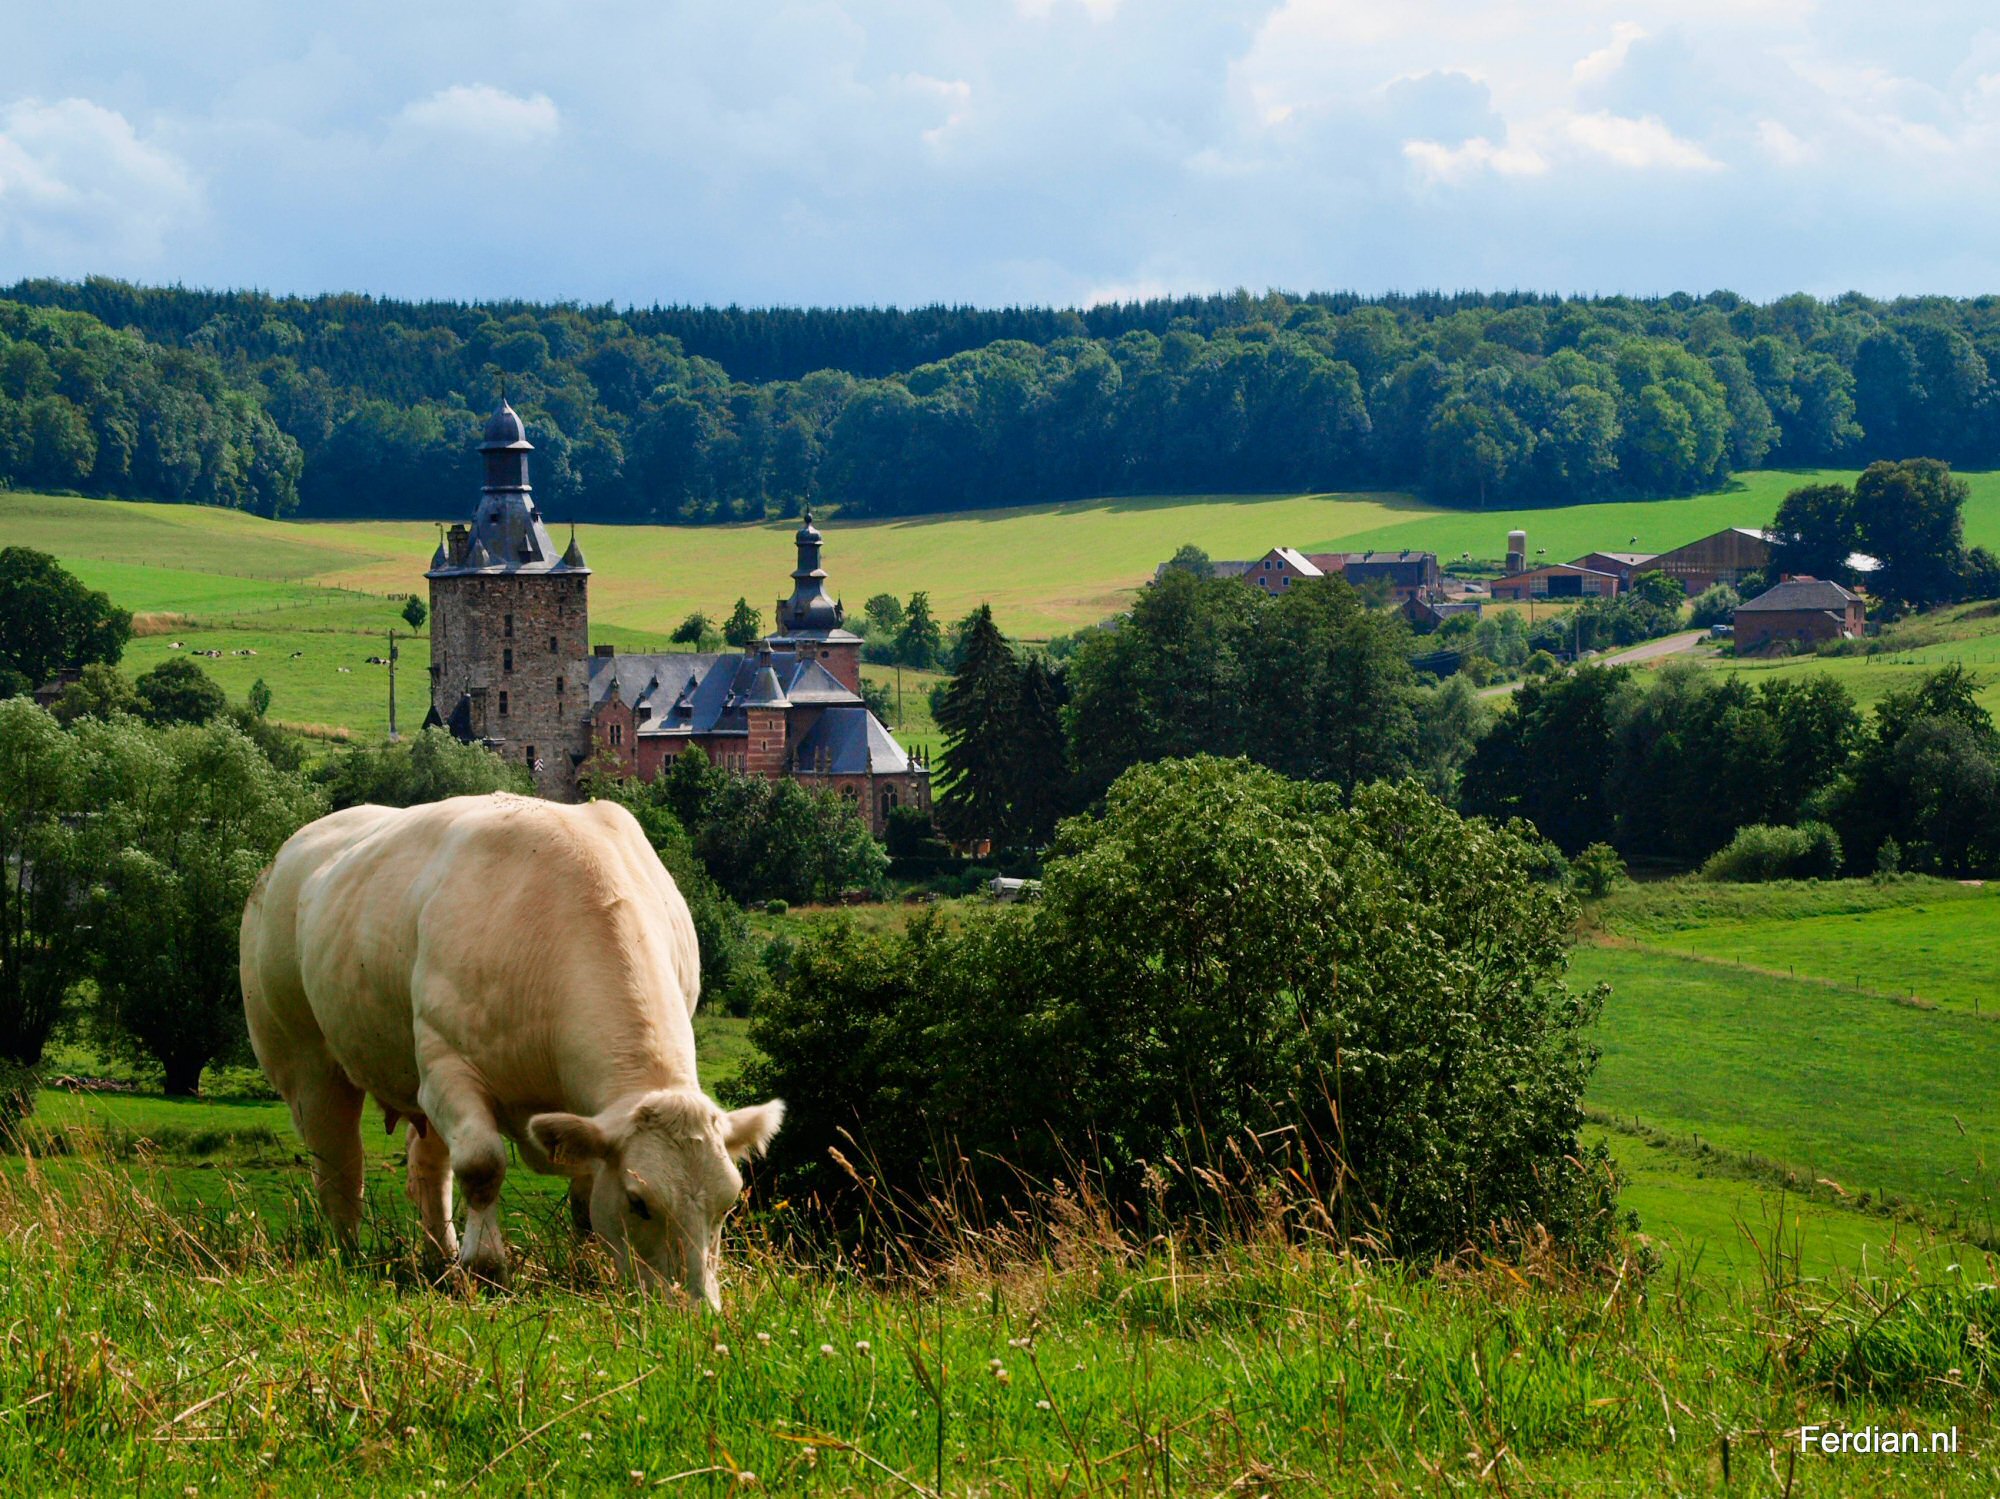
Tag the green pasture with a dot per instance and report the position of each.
(176, 1326)
(1968, 634)
(1931, 940)
(1716, 1222)
(1044, 568)
(1873, 1096)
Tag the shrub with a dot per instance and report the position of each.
(1760, 852)
(1223, 957)
(1597, 870)
(1541, 664)
(1714, 605)
(775, 908)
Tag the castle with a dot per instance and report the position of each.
(512, 667)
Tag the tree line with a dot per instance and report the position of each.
(104, 412)
(1663, 766)
(706, 414)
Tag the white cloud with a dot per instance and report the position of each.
(79, 185)
(1609, 58)
(1638, 144)
(1783, 147)
(1097, 10)
(482, 112)
(1442, 163)
(953, 94)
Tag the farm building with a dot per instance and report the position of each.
(1559, 580)
(1426, 612)
(1799, 611)
(1407, 574)
(1722, 558)
(1626, 565)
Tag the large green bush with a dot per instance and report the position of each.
(1225, 961)
(1810, 851)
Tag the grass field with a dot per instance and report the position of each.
(1044, 568)
(179, 1324)
(1923, 939)
(332, 589)
(1872, 1096)
(1968, 634)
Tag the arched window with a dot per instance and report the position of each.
(617, 734)
(888, 801)
(850, 793)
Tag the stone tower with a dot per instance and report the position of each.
(510, 624)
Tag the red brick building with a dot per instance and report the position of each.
(1799, 612)
(510, 667)
(1559, 580)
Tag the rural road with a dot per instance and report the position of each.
(1632, 655)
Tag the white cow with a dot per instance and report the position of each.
(495, 968)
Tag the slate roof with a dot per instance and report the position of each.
(854, 741)
(507, 531)
(1800, 593)
(680, 692)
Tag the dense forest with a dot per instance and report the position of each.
(356, 406)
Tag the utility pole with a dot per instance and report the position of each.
(392, 684)
(899, 697)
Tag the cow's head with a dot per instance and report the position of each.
(664, 1178)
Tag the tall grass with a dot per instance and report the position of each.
(156, 1345)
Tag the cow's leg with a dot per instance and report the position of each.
(326, 1107)
(428, 1183)
(457, 1108)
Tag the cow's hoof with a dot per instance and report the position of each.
(489, 1270)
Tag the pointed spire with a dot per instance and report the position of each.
(573, 557)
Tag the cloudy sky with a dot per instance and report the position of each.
(1012, 150)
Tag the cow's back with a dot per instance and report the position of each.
(283, 1028)
(542, 944)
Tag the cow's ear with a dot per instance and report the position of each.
(569, 1139)
(748, 1132)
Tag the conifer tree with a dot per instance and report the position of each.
(977, 712)
(1039, 773)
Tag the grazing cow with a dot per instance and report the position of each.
(495, 968)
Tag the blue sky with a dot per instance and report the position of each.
(1016, 150)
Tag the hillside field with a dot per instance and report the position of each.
(1045, 569)
(220, 579)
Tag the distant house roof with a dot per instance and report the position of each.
(1300, 561)
(1627, 559)
(1565, 568)
(1800, 593)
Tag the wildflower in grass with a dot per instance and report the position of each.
(862, 1347)
(584, 1436)
(708, 1374)
(746, 1479)
(722, 1350)
(1043, 1405)
(637, 1475)
(763, 1337)
(826, 1350)
(1003, 1376)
